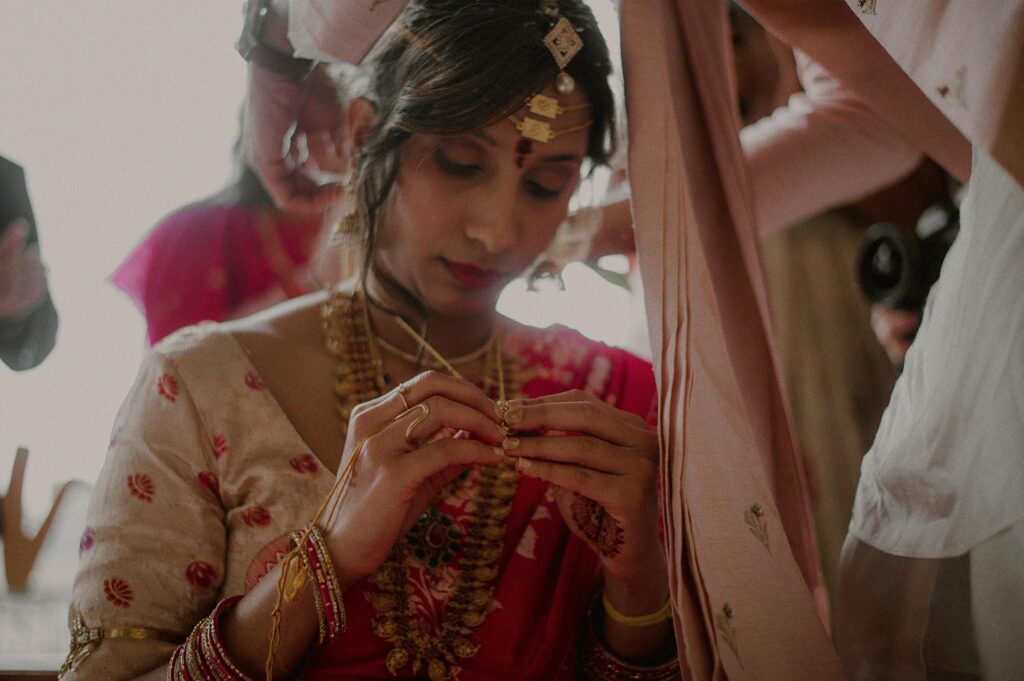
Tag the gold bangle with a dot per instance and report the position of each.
(660, 615)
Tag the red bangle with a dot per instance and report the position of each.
(202, 656)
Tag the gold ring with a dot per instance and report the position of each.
(402, 389)
(424, 413)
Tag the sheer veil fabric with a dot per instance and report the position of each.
(746, 581)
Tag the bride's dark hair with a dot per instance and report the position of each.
(449, 66)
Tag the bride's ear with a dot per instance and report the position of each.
(360, 117)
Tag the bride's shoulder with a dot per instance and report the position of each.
(291, 320)
(283, 328)
(276, 331)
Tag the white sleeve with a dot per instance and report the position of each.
(339, 30)
(824, 149)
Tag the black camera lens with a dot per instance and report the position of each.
(888, 265)
(897, 267)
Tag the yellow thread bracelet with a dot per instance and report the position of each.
(663, 613)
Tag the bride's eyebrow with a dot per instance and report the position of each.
(485, 137)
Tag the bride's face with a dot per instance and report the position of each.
(470, 212)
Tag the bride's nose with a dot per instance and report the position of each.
(491, 219)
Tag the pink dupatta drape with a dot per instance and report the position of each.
(734, 489)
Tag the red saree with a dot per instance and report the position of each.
(546, 575)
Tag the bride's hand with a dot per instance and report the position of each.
(407, 457)
(605, 462)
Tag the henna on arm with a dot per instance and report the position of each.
(601, 530)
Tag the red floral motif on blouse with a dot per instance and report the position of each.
(208, 481)
(220, 446)
(305, 463)
(201, 575)
(265, 560)
(141, 486)
(167, 386)
(118, 592)
(253, 381)
(87, 540)
(257, 516)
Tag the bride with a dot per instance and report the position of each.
(389, 478)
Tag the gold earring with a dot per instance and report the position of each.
(345, 214)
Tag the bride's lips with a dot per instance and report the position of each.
(471, 276)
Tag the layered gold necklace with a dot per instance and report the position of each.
(435, 540)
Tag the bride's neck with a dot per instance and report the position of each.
(451, 337)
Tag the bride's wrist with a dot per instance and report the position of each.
(640, 593)
(340, 549)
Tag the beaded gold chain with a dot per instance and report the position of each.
(358, 374)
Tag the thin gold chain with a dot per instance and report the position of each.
(462, 360)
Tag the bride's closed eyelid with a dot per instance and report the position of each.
(465, 152)
(453, 166)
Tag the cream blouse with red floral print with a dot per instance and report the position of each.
(206, 477)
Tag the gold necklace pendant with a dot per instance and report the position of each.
(435, 539)
(467, 606)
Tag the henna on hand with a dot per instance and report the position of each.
(601, 530)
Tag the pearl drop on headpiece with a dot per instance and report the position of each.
(564, 83)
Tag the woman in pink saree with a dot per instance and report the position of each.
(220, 258)
(488, 497)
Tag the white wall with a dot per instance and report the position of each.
(119, 110)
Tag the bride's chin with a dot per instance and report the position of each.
(456, 303)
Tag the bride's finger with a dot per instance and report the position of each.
(579, 412)
(582, 450)
(435, 415)
(442, 455)
(419, 388)
(592, 484)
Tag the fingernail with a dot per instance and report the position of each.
(522, 463)
(510, 443)
(498, 452)
(514, 414)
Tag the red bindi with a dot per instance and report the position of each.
(524, 148)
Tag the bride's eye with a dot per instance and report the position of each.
(455, 167)
(539, 191)
(547, 183)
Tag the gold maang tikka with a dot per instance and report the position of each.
(564, 43)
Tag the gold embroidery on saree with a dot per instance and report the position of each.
(726, 629)
(867, 6)
(85, 640)
(758, 526)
